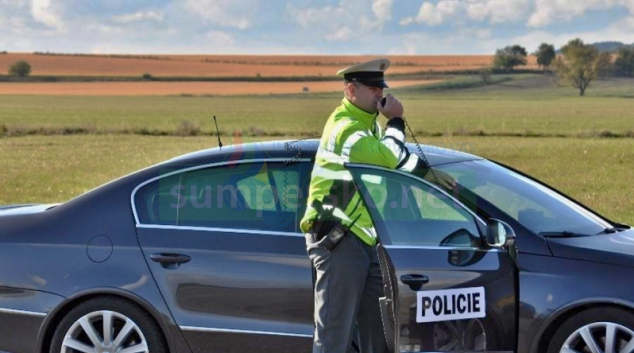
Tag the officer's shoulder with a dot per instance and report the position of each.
(349, 122)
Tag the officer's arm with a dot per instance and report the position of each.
(390, 151)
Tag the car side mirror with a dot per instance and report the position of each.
(500, 234)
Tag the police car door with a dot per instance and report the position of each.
(445, 290)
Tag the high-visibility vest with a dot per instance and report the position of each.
(353, 135)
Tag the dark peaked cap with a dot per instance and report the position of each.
(368, 73)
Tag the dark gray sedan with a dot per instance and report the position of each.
(203, 253)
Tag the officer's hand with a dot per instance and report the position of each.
(393, 108)
(445, 180)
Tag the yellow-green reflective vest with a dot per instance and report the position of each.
(353, 135)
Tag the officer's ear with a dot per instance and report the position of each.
(350, 89)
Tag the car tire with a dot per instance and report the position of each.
(598, 326)
(129, 326)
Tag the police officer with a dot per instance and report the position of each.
(340, 237)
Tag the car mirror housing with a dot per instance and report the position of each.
(500, 234)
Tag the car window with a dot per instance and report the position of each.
(534, 205)
(272, 196)
(414, 213)
(156, 202)
(306, 169)
(259, 196)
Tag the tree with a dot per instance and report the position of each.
(581, 64)
(625, 61)
(509, 57)
(545, 55)
(577, 42)
(20, 68)
(485, 75)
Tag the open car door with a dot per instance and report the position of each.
(446, 290)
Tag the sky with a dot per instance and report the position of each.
(328, 27)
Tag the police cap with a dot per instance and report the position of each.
(369, 73)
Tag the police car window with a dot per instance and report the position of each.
(306, 169)
(155, 203)
(535, 206)
(287, 188)
(417, 214)
(258, 196)
(432, 205)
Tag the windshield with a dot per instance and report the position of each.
(535, 206)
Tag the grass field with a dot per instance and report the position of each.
(530, 107)
(56, 168)
(596, 171)
(232, 65)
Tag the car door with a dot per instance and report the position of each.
(445, 289)
(223, 245)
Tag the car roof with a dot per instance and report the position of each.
(306, 149)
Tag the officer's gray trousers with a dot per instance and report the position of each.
(348, 285)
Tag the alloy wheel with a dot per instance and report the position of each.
(104, 331)
(600, 337)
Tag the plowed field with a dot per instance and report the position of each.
(231, 65)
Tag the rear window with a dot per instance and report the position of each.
(255, 196)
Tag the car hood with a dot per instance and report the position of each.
(615, 248)
(11, 210)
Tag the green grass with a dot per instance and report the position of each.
(56, 168)
(596, 172)
(271, 114)
(257, 78)
(528, 106)
(459, 83)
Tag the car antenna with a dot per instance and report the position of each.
(218, 133)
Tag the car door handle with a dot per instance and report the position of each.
(415, 282)
(168, 260)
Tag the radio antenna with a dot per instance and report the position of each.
(217, 133)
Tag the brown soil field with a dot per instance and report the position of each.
(232, 65)
(178, 88)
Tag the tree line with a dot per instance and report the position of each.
(579, 64)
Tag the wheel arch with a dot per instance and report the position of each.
(557, 318)
(56, 315)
